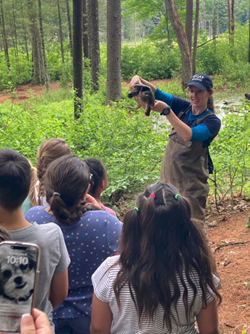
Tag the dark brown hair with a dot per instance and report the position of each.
(98, 172)
(15, 177)
(49, 151)
(159, 244)
(210, 101)
(66, 181)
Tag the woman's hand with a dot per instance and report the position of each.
(159, 106)
(37, 323)
(135, 80)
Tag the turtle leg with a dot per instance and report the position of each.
(147, 109)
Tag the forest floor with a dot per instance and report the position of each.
(229, 238)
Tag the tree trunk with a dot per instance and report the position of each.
(15, 35)
(181, 39)
(232, 20)
(77, 56)
(5, 41)
(229, 19)
(69, 26)
(189, 22)
(60, 30)
(38, 77)
(85, 31)
(14, 27)
(113, 50)
(167, 28)
(249, 34)
(45, 66)
(94, 51)
(24, 28)
(196, 28)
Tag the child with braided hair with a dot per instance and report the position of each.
(91, 235)
(49, 151)
(164, 278)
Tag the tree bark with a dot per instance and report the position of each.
(232, 21)
(113, 50)
(69, 26)
(38, 77)
(189, 22)
(85, 31)
(196, 28)
(167, 28)
(45, 66)
(181, 39)
(15, 35)
(60, 30)
(94, 50)
(229, 19)
(5, 41)
(77, 56)
(249, 34)
(24, 28)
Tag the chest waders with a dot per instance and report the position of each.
(185, 165)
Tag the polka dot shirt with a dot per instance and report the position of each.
(89, 241)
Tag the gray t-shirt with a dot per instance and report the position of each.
(54, 258)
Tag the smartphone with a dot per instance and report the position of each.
(19, 270)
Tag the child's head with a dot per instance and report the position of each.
(49, 151)
(66, 183)
(162, 223)
(162, 247)
(15, 177)
(99, 176)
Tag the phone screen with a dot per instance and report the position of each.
(18, 269)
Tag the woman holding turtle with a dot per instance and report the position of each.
(186, 162)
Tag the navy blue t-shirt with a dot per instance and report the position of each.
(90, 240)
(205, 131)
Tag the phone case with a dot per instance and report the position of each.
(19, 270)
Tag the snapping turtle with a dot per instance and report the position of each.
(144, 97)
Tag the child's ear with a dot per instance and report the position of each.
(104, 184)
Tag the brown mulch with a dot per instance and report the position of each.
(230, 242)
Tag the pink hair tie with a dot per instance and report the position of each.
(152, 195)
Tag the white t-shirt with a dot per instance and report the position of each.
(42, 198)
(125, 321)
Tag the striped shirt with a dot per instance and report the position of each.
(125, 321)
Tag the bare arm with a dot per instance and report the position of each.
(183, 130)
(101, 317)
(139, 80)
(207, 319)
(59, 288)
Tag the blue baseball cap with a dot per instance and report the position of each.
(201, 81)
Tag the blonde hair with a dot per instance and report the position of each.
(49, 151)
(34, 179)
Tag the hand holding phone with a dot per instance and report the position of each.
(37, 322)
(19, 263)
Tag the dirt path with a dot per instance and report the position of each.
(24, 92)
